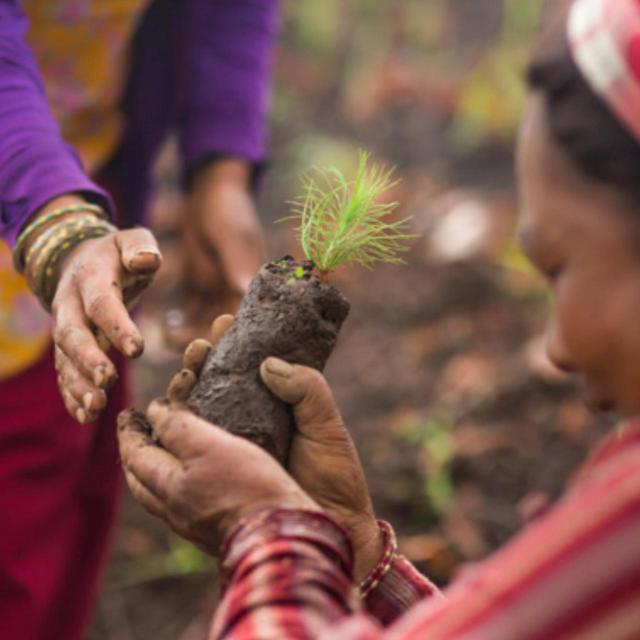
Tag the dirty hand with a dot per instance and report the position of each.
(323, 459)
(98, 279)
(223, 248)
(201, 480)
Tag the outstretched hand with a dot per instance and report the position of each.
(98, 280)
(323, 459)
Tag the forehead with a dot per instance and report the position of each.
(558, 202)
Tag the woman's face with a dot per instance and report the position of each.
(583, 240)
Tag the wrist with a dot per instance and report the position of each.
(369, 544)
(305, 526)
(61, 202)
(234, 521)
(232, 172)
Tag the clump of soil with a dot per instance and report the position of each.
(289, 313)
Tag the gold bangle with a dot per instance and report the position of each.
(38, 223)
(51, 247)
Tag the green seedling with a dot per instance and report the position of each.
(341, 221)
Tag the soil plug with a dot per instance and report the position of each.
(291, 311)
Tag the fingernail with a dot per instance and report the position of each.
(279, 367)
(145, 259)
(87, 399)
(100, 375)
(81, 416)
(143, 251)
(132, 347)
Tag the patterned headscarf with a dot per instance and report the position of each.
(604, 36)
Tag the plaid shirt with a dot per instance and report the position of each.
(573, 573)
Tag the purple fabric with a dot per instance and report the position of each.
(200, 67)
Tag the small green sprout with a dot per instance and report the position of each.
(341, 221)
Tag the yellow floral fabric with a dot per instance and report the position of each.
(81, 47)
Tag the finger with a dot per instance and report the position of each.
(71, 404)
(73, 337)
(180, 431)
(195, 354)
(91, 398)
(102, 303)
(139, 251)
(181, 385)
(220, 326)
(156, 469)
(306, 390)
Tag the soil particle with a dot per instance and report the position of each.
(287, 313)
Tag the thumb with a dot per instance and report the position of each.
(306, 389)
(139, 251)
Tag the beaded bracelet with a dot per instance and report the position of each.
(40, 249)
(54, 244)
(38, 223)
(390, 548)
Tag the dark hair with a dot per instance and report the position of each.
(581, 122)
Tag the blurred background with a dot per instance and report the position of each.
(464, 430)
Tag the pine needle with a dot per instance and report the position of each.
(341, 221)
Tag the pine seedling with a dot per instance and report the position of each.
(342, 221)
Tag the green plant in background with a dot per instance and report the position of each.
(434, 436)
(342, 221)
(491, 103)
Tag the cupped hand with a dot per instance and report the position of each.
(198, 478)
(97, 282)
(223, 248)
(323, 459)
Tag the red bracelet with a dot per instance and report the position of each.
(389, 551)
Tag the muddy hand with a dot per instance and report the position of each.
(98, 279)
(193, 360)
(323, 459)
(200, 480)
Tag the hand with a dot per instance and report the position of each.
(223, 248)
(97, 281)
(323, 459)
(198, 478)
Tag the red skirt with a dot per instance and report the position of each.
(59, 494)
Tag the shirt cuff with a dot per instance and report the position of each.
(313, 527)
(394, 585)
(15, 212)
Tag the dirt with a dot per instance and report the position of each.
(287, 313)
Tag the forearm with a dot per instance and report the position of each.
(36, 165)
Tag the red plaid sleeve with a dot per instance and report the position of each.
(287, 574)
(394, 585)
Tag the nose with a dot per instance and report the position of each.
(556, 349)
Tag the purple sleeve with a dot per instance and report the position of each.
(225, 78)
(36, 165)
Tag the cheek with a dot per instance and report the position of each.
(577, 338)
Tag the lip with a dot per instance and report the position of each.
(596, 398)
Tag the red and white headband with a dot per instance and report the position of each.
(604, 36)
